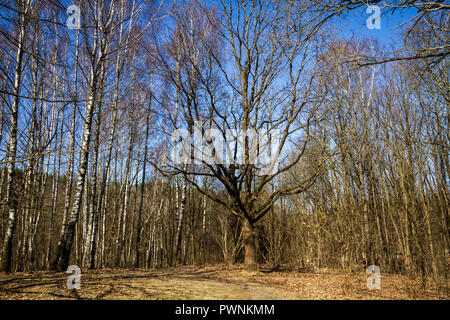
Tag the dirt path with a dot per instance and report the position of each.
(214, 282)
(180, 283)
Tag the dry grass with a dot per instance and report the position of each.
(217, 282)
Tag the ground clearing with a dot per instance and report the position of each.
(212, 282)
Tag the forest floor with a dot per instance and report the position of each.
(217, 282)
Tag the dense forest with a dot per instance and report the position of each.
(88, 112)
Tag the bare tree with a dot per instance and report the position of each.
(265, 41)
(23, 10)
(98, 61)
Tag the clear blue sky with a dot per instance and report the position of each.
(354, 24)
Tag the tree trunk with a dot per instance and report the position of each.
(141, 200)
(180, 221)
(91, 241)
(249, 244)
(105, 175)
(66, 241)
(11, 197)
(70, 162)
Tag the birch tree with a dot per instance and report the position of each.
(23, 9)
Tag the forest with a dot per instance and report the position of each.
(99, 98)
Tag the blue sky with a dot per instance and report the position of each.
(354, 24)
